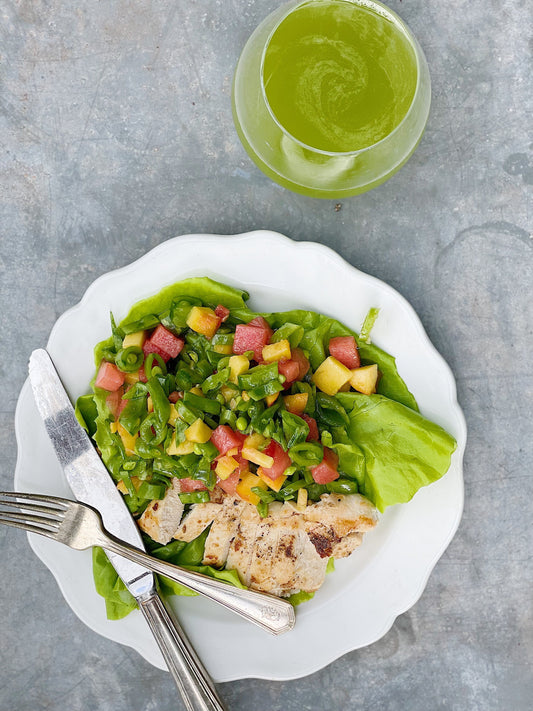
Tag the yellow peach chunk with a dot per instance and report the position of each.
(226, 466)
(128, 440)
(331, 375)
(296, 403)
(136, 339)
(131, 378)
(274, 484)
(198, 432)
(365, 379)
(271, 399)
(256, 457)
(223, 348)
(173, 417)
(203, 320)
(124, 489)
(179, 450)
(256, 440)
(245, 486)
(277, 351)
(238, 364)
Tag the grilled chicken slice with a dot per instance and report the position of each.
(297, 565)
(196, 521)
(242, 546)
(334, 523)
(266, 544)
(310, 568)
(223, 530)
(162, 516)
(288, 550)
(344, 514)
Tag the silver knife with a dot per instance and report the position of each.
(91, 484)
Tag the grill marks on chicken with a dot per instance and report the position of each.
(285, 552)
(330, 523)
(298, 565)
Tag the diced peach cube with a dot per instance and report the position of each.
(331, 375)
(365, 379)
(203, 320)
(245, 486)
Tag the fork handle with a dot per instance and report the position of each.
(193, 682)
(268, 612)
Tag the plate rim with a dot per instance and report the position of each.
(461, 436)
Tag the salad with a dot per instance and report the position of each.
(196, 397)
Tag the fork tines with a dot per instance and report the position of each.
(52, 507)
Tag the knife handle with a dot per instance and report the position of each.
(194, 684)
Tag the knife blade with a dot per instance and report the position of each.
(85, 472)
(91, 484)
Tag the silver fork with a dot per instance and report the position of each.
(79, 526)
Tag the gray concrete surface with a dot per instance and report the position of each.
(116, 134)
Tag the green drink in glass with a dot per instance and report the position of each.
(331, 97)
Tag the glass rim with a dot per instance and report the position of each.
(382, 10)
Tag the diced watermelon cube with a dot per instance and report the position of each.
(229, 485)
(298, 355)
(326, 471)
(222, 312)
(109, 377)
(115, 403)
(295, 368)
(121, 406)
(290, 369)
(164, 343)
(281, 460)
(244, 464)
(313, 435)
(250, 338)
(224, 438)
(260, 322)
(344, 349)
(150, 347)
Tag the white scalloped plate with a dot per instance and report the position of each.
(385, 577)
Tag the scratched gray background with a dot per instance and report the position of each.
(116, 134)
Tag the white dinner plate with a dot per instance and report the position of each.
(383, 578)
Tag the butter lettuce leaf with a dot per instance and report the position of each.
(210, 292)
(300, 597)
(120, 602)
(402, 450)
(86, 413)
